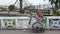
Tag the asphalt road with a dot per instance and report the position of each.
(28, 32)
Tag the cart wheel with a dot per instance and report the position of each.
(38, 27)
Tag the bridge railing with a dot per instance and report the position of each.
(13, 22)
(53, 22)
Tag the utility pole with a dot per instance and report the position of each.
(21, 11)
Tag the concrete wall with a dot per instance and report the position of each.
(19, 23)
(53, 22)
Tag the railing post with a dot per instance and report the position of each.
(17, 24)
(2, 24)
(47, 23)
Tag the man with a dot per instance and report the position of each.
(39, 16)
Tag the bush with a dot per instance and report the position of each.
(11, 7)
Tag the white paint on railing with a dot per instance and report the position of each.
(19, 21)
(52, 22)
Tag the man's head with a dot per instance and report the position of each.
(39, 12)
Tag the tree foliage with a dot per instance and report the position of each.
(11, 7)
(56, 7)
(56, 3)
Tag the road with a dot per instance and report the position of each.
(28, 32)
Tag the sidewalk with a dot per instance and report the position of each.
(27, 32)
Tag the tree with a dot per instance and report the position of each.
(56, 7)
(11, 7)
(56, 2)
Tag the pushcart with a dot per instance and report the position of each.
(37, 26)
